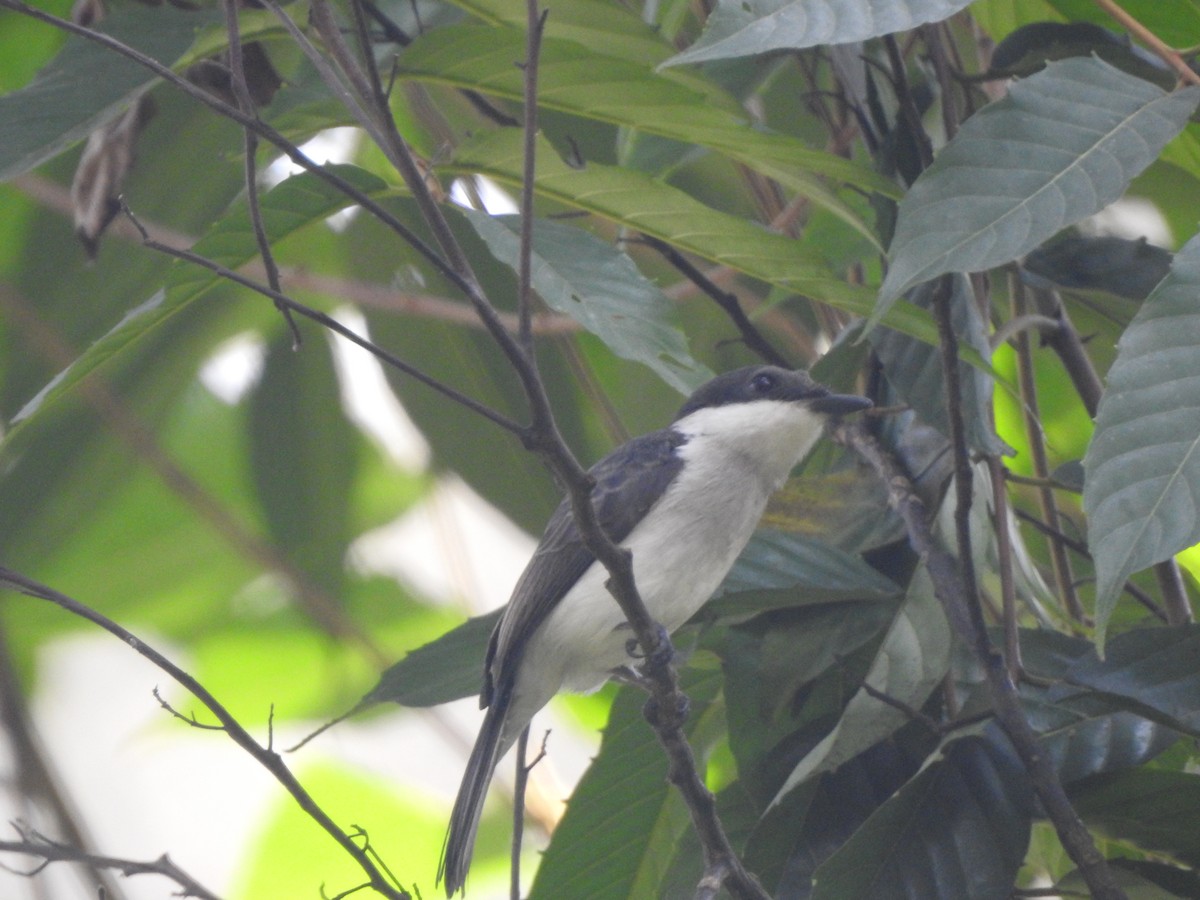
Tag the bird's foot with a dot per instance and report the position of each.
(675, 717)
(662, 654)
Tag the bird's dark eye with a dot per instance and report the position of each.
(762, 382)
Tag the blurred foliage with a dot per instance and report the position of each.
(169, 458)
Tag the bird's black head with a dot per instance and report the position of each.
(756, 383)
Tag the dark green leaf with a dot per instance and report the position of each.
(749, 27)
(581, 276)
(774, 560)
(1136, 882)
(959, 829)
(908, 665)
(1062, 145)
(1152, 671)
(800, 833)
(789, 674)
(1176, 881)
(304, 453)
(624, 820)
(1082, 733)
(1030, 47)
(1157, 810)
(1119, 266)
(1143, 464)
(446, 669)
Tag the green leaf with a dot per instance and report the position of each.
(305, 455)
(775, 561)
(1130, 269)
(1140, 880)
(1143, 464)
(630, 94)
(580, 275)
(86, 85)
(291, 205)
(788, 676)
(795, 837)
(1151, 671)
(600, 26)
(962, 825)
(1030, 47)
(909, 664)
(1155, 809)
(1083, 733)
(1062, 145)
(445, 669)
(750, 27)
(639, 202)
(624, 820)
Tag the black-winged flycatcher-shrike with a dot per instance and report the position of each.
(684, 500)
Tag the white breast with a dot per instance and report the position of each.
(734, 459)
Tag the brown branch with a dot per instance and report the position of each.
(241, 91)
(1075, 837)
(362, 293)
(518, 818)
(1064, 580)
(33, 774)
(1004, 550)
(265, 756)
(34, 844)
(754, 338)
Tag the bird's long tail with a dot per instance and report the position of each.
(490, 745)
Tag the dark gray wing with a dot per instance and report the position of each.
(629, 481)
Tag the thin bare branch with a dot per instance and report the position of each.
(753, 338)
(535, 24)
(1075, 837)
(367, 294)
(1064, 580)
(334, 325)
(1004, 552)
(518, 819)
(37, 845)
(267, 758)
(241, 91)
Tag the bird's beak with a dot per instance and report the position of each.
(839, 404)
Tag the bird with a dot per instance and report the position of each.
(684, 500)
